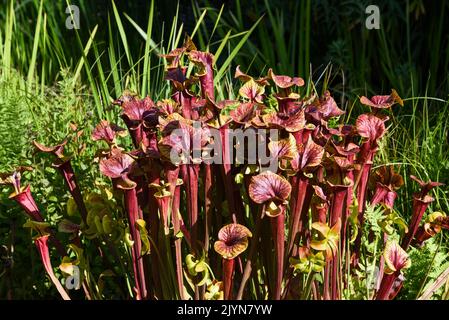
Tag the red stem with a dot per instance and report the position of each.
(252, 252)
(42, 247)
(331, 279)
(207, 83)
(381, 273)
(137, 133)
(164, 208)
(172, 173)
(226, 172)
(347, 212)
(386, 285)
(186, 103)
(152, 221)
(338, 208)
(362, 187)
(132, 209)
(228, 271)
(176, 229)
(208, 178)
(68, 174)
(190, 177)
(361, 194)
(419, 207)
(326, 285)
(299, 191)
(379, 195)
(207, 90)
(304, 222)
(192, 206)
(338, 204)
(26, 201)
(319, 212)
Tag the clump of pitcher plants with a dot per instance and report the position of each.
(262, 197)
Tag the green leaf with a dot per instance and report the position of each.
(191, 263)
(66, 266)
(122, 33)
(39, 227)
(106, 223)
(37, 33)
(319, 245)
(179, 235)
(85, 53)
(98, 225)
(141, 227)
(100, 282)
(127, 238)
(233, 53)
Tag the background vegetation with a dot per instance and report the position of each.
(51, 76)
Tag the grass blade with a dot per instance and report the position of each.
(85, 52)
(8, 38)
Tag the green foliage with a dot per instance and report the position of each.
(427, 264)
(16, 120)
(51, 76)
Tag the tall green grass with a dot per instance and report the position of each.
(50, 75)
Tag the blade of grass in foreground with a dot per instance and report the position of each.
(84, 61)
(113, 62)
(8, 38)
(85, 52)
(147, 60)
(103, 87)
(215, 27)
(234, 52)
(146, 36)
(122, 33)
(198, 23)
